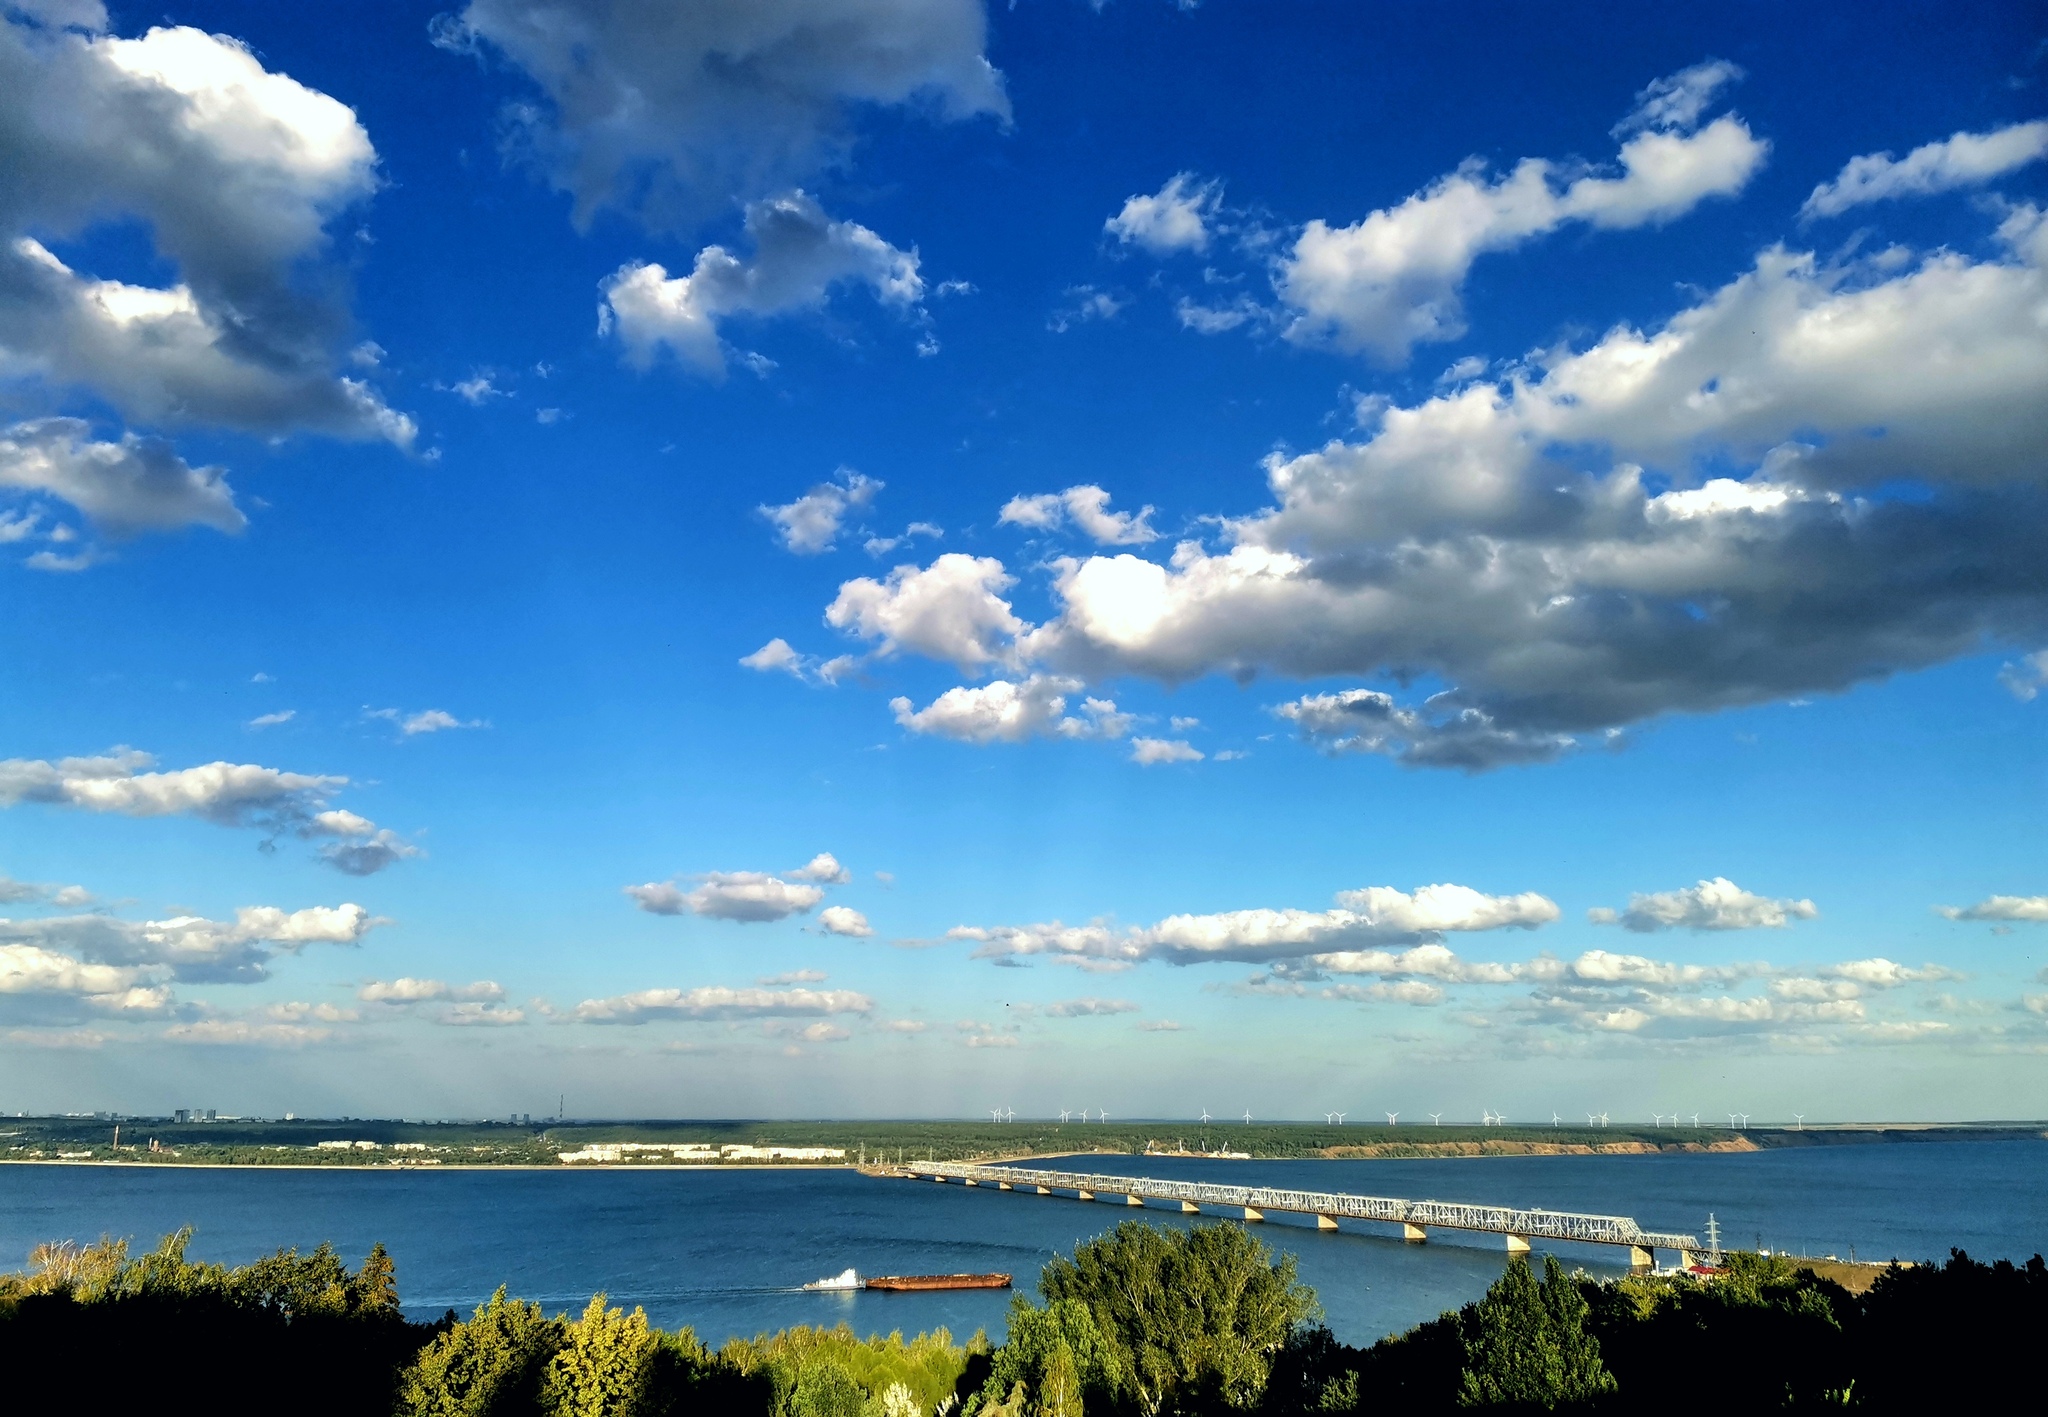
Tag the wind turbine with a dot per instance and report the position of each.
(1500, 1119)
(1554, 1118)
(1330, 1118)
(1798, 1121)
(1485, 1118)
(1340, 1119)
(1066, 1114)
(1102, 1115)
(995, 1114)
(1205, 1116)
(1393, 1117)
(1591, 1120)
(1695, 1121)
(1745, 1121)
(1731, 1121)
(1603, 1119)
(1660, 1118)
(1009, 1114)
(1247, 1116)
(1436, 1119)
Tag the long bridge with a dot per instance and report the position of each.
(1415, 1218)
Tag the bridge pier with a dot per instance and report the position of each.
(1005, 1186)
(1134, 1200)
(1084, 1195)
(1687, 1259)
(1640, 1257)
(1250, 1214)
(1042, 1190)
(1518, 1244)
(1324, 1222)
(1190, 1208)
(970, 1181)
(1413, 1233)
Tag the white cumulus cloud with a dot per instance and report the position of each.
(1087, 507)
(2031, 908)
(811, 523)
(1961, 160)
(1680, 519)
(844, 920)
(1394, 279)
(1717, 904)
(1373, 915)
(952, 609)
(124, 487)
(1002, 711)
(235, 172)
(746, 896)
(1176, 218)
(1149, 752)
(800, 255)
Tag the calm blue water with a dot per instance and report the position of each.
(722, 1251)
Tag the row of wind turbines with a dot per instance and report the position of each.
(1737, 1121)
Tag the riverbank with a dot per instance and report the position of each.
(356, 1143)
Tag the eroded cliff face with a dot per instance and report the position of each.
(1402, 1149)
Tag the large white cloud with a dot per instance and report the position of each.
(668, 111)
(1375, 914)
(236, 172)
(1961, 160)
(189, 947)
(40, 985)
(228, 794)
(1717, 904)
(720, 1002)
(1394, 279)
(1685, 518)
(800, 255)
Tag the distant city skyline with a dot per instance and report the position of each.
(884, 560)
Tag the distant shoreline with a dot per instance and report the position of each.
(1373, 1144)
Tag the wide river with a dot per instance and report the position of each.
(723, 1251)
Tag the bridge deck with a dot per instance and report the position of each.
(1493, 1219)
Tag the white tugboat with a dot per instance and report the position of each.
(848, 1280)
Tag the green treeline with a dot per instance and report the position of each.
(1140, 1322)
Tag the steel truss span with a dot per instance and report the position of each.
(1450, 1215)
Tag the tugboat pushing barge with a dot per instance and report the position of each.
(906, 1283)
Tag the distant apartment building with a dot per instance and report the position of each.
(194, 1114)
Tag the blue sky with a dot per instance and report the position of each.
(1288, 556)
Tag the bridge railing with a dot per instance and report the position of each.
(1494, 1219)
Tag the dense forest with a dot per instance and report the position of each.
(1140, 1322)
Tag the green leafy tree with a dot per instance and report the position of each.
(603, 1367)
(825, 1389)
(1526, 1343)
(491, 1366)
(1062, 1335)
(1191, 1319)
